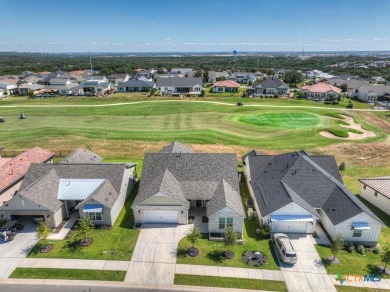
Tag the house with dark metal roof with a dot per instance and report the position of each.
(179, 85)
(54, 191)
(270, 87)
(134, 86)
(292, 192)
(178, 184)
(376, 190)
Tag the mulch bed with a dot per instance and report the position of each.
(45, 248)
(334, 261)
(193, 252)
(228, 254)
(85, 243)
(249, 257)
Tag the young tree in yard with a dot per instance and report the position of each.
(193, 235)
(337, 245)
(230, 237)
(84, 229)
(385, 255)
(43, 232)
(342, 167)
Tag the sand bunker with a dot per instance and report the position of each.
(352, 136)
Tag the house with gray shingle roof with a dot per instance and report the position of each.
(376, 190)
(179, 85)
(270, 87)
(178, 183)
(82, 156)
(292, 192)
(372, 93)
(134, 86)
(54, 191)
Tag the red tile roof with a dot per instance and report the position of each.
(16, 168)
(78, 72)
(321, 88)
(226, 83)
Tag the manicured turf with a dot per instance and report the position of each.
(211, 251)
(344, 288)
(225, 282)
(115, 244)
(282, 120)
(68, 274)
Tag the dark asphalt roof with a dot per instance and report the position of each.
(310, 181)
(176, 147)
(270, 83)
(190, 176)
(136, 83)
(178, 81)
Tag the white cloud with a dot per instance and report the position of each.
(117, 44)
(167, 40)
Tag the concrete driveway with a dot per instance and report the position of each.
(154, 256)
(13, 252)
(308, 274)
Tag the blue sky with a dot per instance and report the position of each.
(194, 26)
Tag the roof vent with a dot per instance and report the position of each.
(269, 163)
(333, 209)
(106, 199)
(295, 171)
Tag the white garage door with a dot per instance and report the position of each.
(160, 217)
(289, 226)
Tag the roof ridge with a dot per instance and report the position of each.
(39, 179)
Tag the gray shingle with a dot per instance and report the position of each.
(178, 81)
(270, 83)
(82, 156)
(176, 147)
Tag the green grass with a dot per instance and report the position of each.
(67, 274)
(338, 132)
(343, 123)
(344, 288)
(333, 115)
(354, 131)
(211, 251)
(115, 244)
(226, 282)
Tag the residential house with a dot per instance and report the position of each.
(215, 76)
(292, 192)
(61, 86)
(270, 87)
(178, 184)
(134, 86)
(225, 86)
(183, 71)
(242, 77)
(373, 93)
(352, 84)
(179, 85)
(377, 191)
(8, 87)
(13, 170)
(53, 191)
(321, 91)
(94, 85)
(118, 78)
(26, 89)
(82, 156)
(317, 74)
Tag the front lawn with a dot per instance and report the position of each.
(115, 244)
(225, 282)
(211, 251)
(68, 274)
(341, 288)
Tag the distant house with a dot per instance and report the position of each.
(8, 87)
(321, 91)
(178, 184)
(242, 77)
(373, 93)
(134, 86)
(118, 78)
(270, 87)
(225, 86)
(94, 85)
(214, 76)
(13, 170)
(352, 83)
(179, 85)
(97, 191)
(292, 192)
(25, 89)
(377, 191)
(82, 156)
(316, 74)
(181, 70)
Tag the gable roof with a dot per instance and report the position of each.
(374, 88)
(14, 169)
(270, 82)
(310, 181)
(178, 81)
(176, 147)
(184, 176)
(379, 184)
(226, 83)
(321, 88)
(82, 156)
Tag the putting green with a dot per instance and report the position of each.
(282, 120)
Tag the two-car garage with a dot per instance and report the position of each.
(160, 216)
(292, 223)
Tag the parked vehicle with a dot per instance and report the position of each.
(284, 248)
(9, 230)
(2, 120)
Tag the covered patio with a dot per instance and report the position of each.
(199, 218)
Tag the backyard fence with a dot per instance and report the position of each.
(13, 153)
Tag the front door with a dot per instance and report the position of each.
(199, 203)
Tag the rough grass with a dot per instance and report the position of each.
(211, 251)
(354, 131)
(115, 244)
(226, 282)
(68, 274)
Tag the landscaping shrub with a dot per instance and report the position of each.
(349, 247)
(265, 230)
(376, 250)
(349, 105)
(360, 249)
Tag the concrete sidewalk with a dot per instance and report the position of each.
(66, 228)
(229, 272)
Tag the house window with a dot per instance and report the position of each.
(376, 194)
(221, 223)
(357, 233)
(364, 187)
(229, 222)
(220, 89)
(95, 216)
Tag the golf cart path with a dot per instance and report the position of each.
(194, 101)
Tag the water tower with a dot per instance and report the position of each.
(235, 55)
